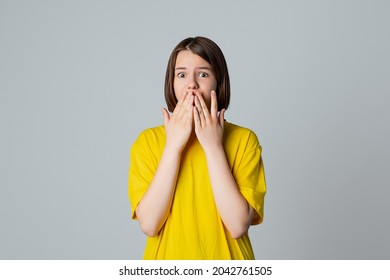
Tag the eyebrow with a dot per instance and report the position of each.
(200, 67)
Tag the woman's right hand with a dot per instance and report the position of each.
(179, 126)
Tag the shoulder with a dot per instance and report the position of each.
(232, 128)
(150, 136)
(238, 135)
(157, 131)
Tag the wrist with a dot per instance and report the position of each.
(214, 149)
(172, 150)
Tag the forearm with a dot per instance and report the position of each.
(233, 208)
(154, 207)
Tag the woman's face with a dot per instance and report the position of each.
(193, 74)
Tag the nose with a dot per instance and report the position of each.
(192, 83)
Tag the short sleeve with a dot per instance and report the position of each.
(250, 177)
(143, 165)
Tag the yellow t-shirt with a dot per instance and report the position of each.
(194, 229)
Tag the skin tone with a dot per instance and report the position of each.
(195, 115)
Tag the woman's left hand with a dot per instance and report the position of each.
(208, 125)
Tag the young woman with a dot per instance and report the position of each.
(196, 183)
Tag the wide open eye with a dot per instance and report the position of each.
(181, 75)
(203, 74)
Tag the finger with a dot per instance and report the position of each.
(187, 107)
(205, 110)
(222, 117)
(165, 115)
(214, 104)
(199, 108)
(190, 116)
(196, 118)
(188, 101)
(179, 105)
(189, 110)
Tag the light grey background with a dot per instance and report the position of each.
(81, 79)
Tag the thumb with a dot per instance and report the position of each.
(165, 115)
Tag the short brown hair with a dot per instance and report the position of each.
(209, 51)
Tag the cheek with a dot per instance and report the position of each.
(176, 89)
(178, 95)
(212, 85)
